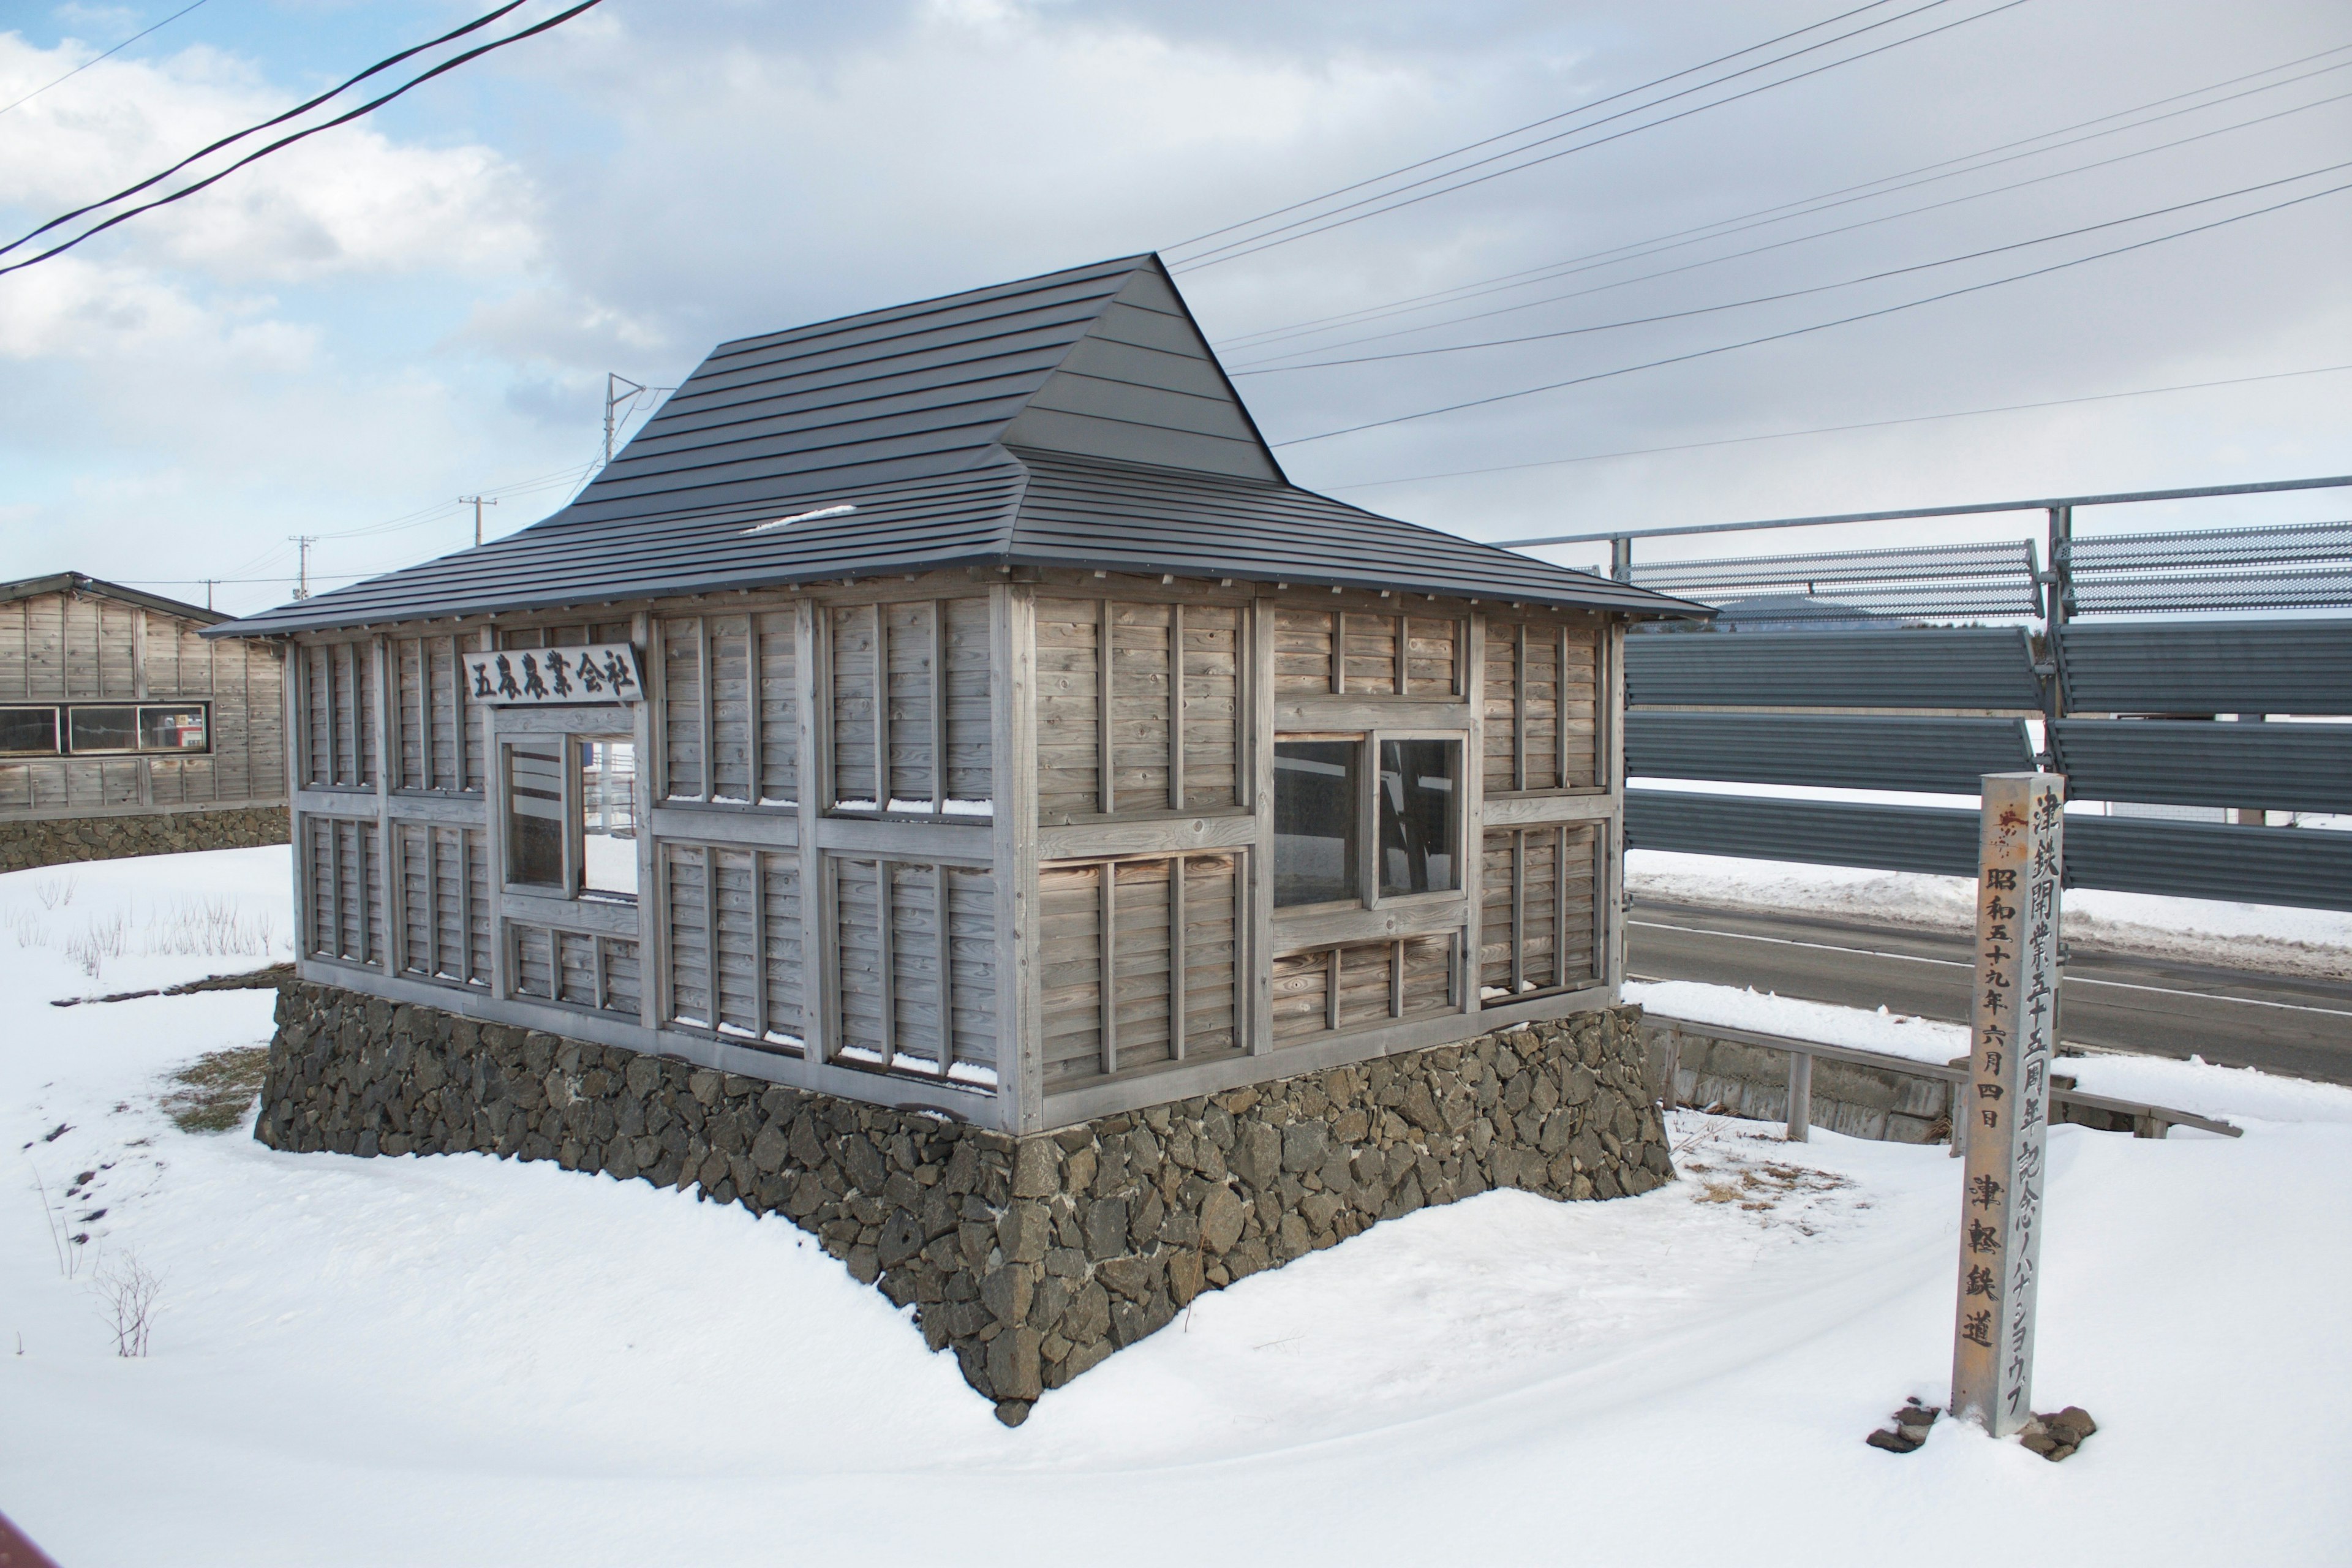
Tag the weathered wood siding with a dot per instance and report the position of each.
(1163, 735)
(734, 929)
(346, 893)
(446, 927)
(1360, 985)
(731, 727)
(1164, 931)
(910, 688)
(914, 969)
(58, 647)
(1541, 705)
(1365, 653)
(1538, 925)
(586, 970)
(443, 749)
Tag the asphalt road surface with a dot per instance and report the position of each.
(2286, 1024)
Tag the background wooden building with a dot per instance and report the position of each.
(125, 732)
(1013, 738)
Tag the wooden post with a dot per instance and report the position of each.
(2007, 1098)
(1800, 1096)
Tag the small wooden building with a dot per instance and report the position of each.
(123, 731)
(954, 707)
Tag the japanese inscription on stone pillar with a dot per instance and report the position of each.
(2006, 1101)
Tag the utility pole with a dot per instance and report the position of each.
(208, 591)
(613, 398)
(302, 583)
(477, 503)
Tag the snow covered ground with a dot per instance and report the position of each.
(454, 1360)
(2255, 936)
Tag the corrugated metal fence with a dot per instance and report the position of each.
(2166, 713)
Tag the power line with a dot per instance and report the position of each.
(1238, 249)
(1246, 367)
(1835, 429)
(1530, 125)
(94, 59)
(1818, 326)
(1790, 293)
(1528, 277)
(368, 107)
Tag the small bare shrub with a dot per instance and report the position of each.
(30, 929)
(130, 1292)
(106, 937)
(216, 928)
(54, 892)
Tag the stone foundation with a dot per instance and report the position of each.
(1032, 1258)
(57, 840)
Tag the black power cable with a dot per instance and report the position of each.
(1236, 249)
(368, 107)
(1822, 326)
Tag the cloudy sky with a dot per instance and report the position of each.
(424, 304)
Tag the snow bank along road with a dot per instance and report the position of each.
(2160, 1006)
(455, 1360)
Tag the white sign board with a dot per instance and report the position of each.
(2006, 1102)
(600, 672)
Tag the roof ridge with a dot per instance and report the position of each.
(1109, 268)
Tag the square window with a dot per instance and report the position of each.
(171, 729)
(104, 729)
(1317, 791)
(535, 814)
(606, 782)
(29, 731)
(1418, 815)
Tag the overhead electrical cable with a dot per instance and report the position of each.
(1325, 222)
(368, 107)
(1832, 429)
(1530, 125)
(1840, 321)
(1763, 217)
(1252, 239)
(95, 58)
(1269, 368)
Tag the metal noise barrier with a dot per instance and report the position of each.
(2289, 566)
(1994, 579)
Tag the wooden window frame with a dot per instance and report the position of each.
(569, 742)
(1367, 819)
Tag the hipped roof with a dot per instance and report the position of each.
(1078, 419)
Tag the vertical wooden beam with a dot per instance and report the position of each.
(1520, 705)
(1368, 820)
(947, 969)
(596, 973)
(881, 706)
(494, 841)
(1013, 755)
(1107, 786)
(1403, 654)
(1339, 653)
(289, 702)
(1256, 684)
(1608, 888)
(1176, 707)
(887, 951)
(395, 887)
(648, 731)
(1559, 709)
(759, 859)
(465, 911)
(938, 707)
(1177, 867)
(143, 768)
(708, 690)
(1109, 965)
(1518, 909)
(1396, 978)
(755, 782)
(812, 721)
(1470, 811)
(1559, 903)
(1332, 968)
(710, 921)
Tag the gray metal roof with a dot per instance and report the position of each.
(1075, 420)
(79, 583)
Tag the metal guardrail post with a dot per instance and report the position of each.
(1800, 1096)
(1621, 560)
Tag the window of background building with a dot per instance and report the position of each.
(29, 731)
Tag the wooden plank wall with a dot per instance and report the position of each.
(1356, 652)
(927, 661)
(1169, 1001)
(1537, 931)
(914, 970)
(56, 647)
(1541, 705)
(1120, 750)
(729, 732)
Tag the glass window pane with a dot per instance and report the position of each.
(1417, 796)
(171, 729)
(608, 817)
(535, 814)
(1315, 795)
(104, 729)
(29, 731)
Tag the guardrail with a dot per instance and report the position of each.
(2147, 1120)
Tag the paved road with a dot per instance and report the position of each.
(2155, 1007)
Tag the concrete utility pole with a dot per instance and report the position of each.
(302, 580)
(208, 591)
(477, 503)
(613, 398)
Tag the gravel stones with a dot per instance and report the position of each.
(2055, 1436)
(1032, 1259)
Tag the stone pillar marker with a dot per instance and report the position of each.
(2006, 1101)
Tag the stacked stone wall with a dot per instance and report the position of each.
(1032, 1259)
(59, 840)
